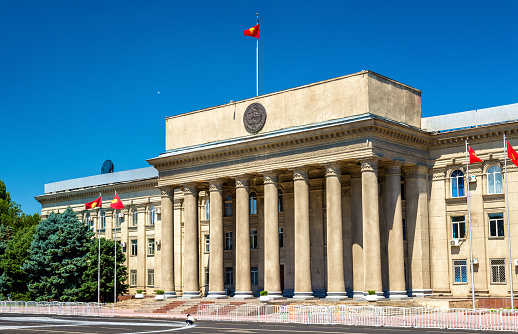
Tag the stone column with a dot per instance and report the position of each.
(335, 250)
(216, 274)
(167, 244)
(371, 226)
(394, 216)
(316, 232)
(243, 276)
(302, 239)
(191, 288)
(272, 275)
(417, 230)
(357, 229)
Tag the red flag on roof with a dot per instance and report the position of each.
(511, 154)
(116, 202)
(473, 157)
(95, 204)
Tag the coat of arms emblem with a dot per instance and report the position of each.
(254, 117)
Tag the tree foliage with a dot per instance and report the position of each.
(57, 257)
(89, 288)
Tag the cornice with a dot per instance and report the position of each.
(482, 134)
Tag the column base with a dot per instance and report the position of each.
(336, 296)
(275, 294)
(243, 295)
(358, 295)
(397, 295)
(191, 294)
(419, 293)
(216, 294)
(170, 294)
(303, 295)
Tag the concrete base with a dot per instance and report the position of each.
(191, 294)
(397, 295)
(275, 294)
(336, 296)
(170, 294)
(216, 294)
(419, 293)
(358, 295)
(243, 295)
(303, 295)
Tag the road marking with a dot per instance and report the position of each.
(231, 330)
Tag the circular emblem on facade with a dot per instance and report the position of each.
(254, 117)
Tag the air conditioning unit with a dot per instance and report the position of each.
(455, 242)
(516, 262)
(123, 244)
(157, 242)
(158, 211)
(472, 178)
(475, 261)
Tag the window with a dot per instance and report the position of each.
(254, 275)
(150, 246)
(229, 275)
(281, 237)
(103, 220)
(133, 277)
(151, 215)
(120, 219)
(207, 243)
(207, 210)
(134, 247)
(228, 240)
(207, 276)
(253, 203)
(403, 194)
(497, 271)
(496, 224)
(253, 239)
(281, 207)
(460, 270)
(228, 206)
(457, 183)
(134, 217)
(404, 229)
(123, 245)
(458, 227)
(89, 221)
(151, 277)
(494, 180)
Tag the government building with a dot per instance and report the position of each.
(328, 190)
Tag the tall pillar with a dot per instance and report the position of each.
(394, 216)
(417, 228)
(302, 239)
(335, 250)
(191, 287)
(371, 226)
(357, 229)
(272, 275)
(243, 276)
(216, 274)
(167, 244)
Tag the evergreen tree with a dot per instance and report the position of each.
(90, 277)
(57, 257)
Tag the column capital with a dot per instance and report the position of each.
(167, 192)
(189, 188)
(300, 173)
(369, 164)
(333, 169)
(216, 185)
(394, 168)
(270, 177)
(416, 171)
(242, 181)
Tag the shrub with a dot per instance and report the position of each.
(263, 293)
(139, 291)
(160, 292)
(371, 292)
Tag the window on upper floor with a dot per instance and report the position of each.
(496, 224)
(207, 243)
(134, 217)
(253, 203)
(281, 207)
(228, 240)
(228, 206)
(89, 221)
(134, 247)
(458, 227)
(253, 239)
(494, 180)
(151, 215)
(207, 210)
(150, 246)
(457, 183)
(281, 237)
(103, 220)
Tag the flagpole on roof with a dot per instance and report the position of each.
(99, 259)
(508, 225)
(115, 257)
(470, 234)
(257, 63)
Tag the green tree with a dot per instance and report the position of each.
(57, 257)
(90, 277)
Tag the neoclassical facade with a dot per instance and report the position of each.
(326, 190)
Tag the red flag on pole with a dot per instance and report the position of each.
(94, 204)
(116, 202)
(252, 32)
(473, 157)
(511, 154)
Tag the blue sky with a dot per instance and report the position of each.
(79, 80)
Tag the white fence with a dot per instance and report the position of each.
(59, 308)
(482, 319)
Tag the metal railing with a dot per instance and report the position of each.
(482, 319)
(58, 308)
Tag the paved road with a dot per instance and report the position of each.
(41, 324)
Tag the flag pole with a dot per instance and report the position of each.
(115, 257)
(508, 224)
(99, 259)
(257, 64)
(470, 234)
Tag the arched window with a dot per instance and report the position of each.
(207, 210)
(228, 206)
(134, 217)
(457, 183)
(281, 208)
(151, 213)
(103, 220)
(253, 203)
(494, 180)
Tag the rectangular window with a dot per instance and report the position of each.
(458, 227)
(123, 245)
(253, 239)
(229, 275)
(228, 240)
(497, 271)
(206, 276)
(150, 246)
(151, 277)
(255, 276)
(207, 243)
(281, 237)
(496, 224)
(133, 278)
(404, 229)
(134, 247)
(120, 221)
(460, 270)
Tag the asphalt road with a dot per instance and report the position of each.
(42, 324)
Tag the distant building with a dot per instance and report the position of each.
(329, 189)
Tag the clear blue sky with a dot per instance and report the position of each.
(79, 80)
